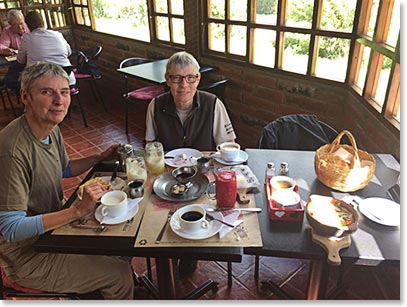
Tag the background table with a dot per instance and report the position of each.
(372, 244)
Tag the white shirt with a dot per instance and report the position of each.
(45, 45)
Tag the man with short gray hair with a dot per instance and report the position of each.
(10, 39)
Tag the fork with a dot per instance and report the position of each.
(160, 235)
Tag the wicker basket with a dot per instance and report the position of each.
(338, 174)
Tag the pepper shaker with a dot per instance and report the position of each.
(284, 171)
(270, 171)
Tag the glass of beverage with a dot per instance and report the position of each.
(155, 158)
(136, 169)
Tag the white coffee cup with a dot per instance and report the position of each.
(114, 203)
(229, 151)
(192, 218)
(286, 198)
(282, 183)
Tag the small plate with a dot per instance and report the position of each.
(381, 210)
(117, 184)
(191, 156)
(132, 209)
(243, 156)
(214, 226)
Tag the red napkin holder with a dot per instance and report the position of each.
(283, 214)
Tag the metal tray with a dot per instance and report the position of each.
(162, 187)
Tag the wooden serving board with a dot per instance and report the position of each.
(332, 246)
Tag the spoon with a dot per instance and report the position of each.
(233, 209)
(100, 228)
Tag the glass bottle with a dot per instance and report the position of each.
(284, 171)
(270, 171)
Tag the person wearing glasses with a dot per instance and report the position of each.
(185, 117)
(10, 39)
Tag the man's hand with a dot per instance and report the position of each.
(9, 51)
(91, 194)
(110, 153)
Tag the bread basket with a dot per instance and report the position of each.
(341, 174)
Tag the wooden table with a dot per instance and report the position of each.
(372, 244)
(124, 246)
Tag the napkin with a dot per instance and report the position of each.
(232, 219)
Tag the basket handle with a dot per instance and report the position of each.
(356, 160)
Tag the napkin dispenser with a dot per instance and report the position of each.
(280, 213)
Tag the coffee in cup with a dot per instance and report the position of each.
(114, 203)
(229, 151)
(192, 218)
(282, 183)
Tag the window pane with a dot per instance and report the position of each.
(177, 7)
(162, 28)
(264, 47)
(394, 25)
(216, 9)
(53, 1)
(160, 6)
(299, 13)
(361, 78)
(332, 59)
(383, 81)
(266, 12)
(373, 18)
(238, 10)
(295, 57)
(130, 16)
(338, 15)
(178, 31)
(237, 40)
(216, 37)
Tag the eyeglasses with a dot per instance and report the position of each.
(179, 78)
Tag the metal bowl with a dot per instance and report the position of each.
(184, 174)
(323, 222)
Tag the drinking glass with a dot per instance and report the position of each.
(136, 169)
(155, 158)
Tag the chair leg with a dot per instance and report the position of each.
(82, 111)
(149, 270)
(127, 115)
(11, 102)
(256, 267)
(229, 273)
(4, 103)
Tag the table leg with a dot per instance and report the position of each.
(318, 278)
(165, 278)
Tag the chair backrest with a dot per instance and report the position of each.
(215, 87)
(133, 61)
(85, 61)
(296, 132)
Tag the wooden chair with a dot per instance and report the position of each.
(4, 90)
(86, 70)
(144, 94)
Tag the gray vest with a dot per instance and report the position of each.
(197, 131)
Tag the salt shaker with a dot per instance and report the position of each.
(270, 171)
(284, 169)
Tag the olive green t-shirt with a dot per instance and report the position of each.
(30, 180)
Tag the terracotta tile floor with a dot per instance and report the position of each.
(106, 128)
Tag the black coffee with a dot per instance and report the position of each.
(192, 216)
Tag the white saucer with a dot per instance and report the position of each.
(191, 156)
(117, 184)
(132, 209)
(213, 229)
(381, 210)
(243, 156)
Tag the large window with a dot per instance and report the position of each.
(349, 41)
(145, 20)
(53, 11)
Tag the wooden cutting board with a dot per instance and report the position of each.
(331, 245)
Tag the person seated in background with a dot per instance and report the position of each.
(187, 118)
(10, 38)
(33, 160)
(184, 116)
(44, 45)
(10, 42)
